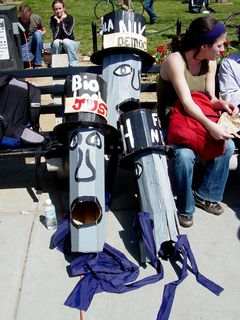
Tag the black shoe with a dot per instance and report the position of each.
(211, 207)
(37, 66)
(211, 10)
(185, 221)
(152, 21)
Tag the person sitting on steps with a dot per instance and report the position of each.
(32, 37)
(195, 6)
(62, 26)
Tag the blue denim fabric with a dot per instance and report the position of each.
(148, 6)
(32, 51)
(212, 184)
(70, 47)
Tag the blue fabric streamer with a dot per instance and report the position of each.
(108, 198)
(61, 238)
(147, 235)
(108, 271)
(183, 246)
(111, 271)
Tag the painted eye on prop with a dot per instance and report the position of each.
(123, 70)
(138, 170)
(93, 139)
(74, 141)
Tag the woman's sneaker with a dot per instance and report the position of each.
(211, 207)
(185, 221)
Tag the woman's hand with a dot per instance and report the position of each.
(218, 133)
(59, 19)
(230, 107)
(56, 18)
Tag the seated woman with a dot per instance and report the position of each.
(192, 67)
(62, 25)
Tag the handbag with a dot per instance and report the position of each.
(184, 130)
(230, 124)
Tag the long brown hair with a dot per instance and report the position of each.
(192, 39)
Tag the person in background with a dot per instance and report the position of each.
(229, 84)
(195, 6)
(62, 26)
(192, 67)
(229, 78)
(124, 4)
(32, 37)
(148, 6)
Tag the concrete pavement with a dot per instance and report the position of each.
(33, 279)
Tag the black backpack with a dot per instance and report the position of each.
(19, 112)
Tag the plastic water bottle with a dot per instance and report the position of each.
(50, 215)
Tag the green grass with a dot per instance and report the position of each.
(168, 12)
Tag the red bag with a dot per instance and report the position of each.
(187, 131)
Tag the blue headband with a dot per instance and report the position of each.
(213, 34)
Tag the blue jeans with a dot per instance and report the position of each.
(213, 182)
(32, 51)
(148, 6)
(69, 46)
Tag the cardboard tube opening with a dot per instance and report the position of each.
(86, 212)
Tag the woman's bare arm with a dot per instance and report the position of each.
(172, 70)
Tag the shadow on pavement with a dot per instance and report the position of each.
(124, 206)
(231, 195)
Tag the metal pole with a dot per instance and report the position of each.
(94, 36)
(179, 26)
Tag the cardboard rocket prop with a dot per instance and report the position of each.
(124, 52)
(83, 129)
(124, 49)
(144, 148)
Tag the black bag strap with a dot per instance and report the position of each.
(35, 105)
(4, 79)
(3, 125)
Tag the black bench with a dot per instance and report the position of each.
(53, 148)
